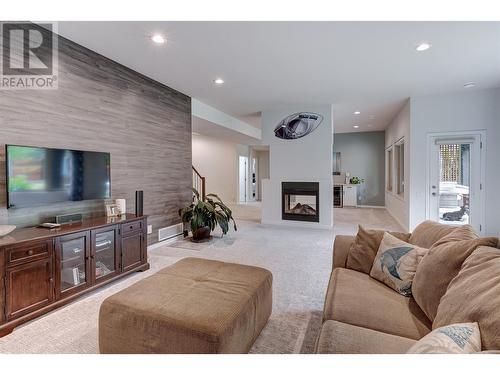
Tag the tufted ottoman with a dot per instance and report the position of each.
(193, 306)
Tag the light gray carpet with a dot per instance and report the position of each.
(300, 260)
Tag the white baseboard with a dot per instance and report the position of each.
(368, 206)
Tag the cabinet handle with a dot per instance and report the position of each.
(51, 280)
(30, 252)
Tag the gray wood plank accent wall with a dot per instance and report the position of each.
(101, 105)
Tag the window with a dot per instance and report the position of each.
(399, 168)
(388, 163)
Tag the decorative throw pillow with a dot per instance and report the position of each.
(441, 265)
(396, 263)
(365, 246)
(461, 338)
(427, 233)
(474, 296)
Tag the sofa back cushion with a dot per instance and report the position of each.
(362, 252)
(429, 232)
(441, 264)
(396, 263)
(474, 296)
(462, 338)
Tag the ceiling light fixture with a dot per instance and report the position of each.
(158, 39)
(423, 47)
(469, 85)
(356, 126)
(219, 81)
(357, 112)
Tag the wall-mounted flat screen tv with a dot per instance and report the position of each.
(41, 176)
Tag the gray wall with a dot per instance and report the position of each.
(101, 105)
(363, 155)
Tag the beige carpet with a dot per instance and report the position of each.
(300, 260)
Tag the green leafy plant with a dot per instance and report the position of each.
(356, 180)
(209, 211)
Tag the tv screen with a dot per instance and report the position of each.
(40, 176)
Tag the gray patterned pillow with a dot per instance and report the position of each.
(460, 338)
(396, 263)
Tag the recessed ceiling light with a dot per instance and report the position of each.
(356, 126)
(423, 47)
(219, 81)
(469, 85)
(357, 112)
(158, 39)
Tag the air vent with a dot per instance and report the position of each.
(170, 232)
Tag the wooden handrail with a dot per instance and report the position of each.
(199, 182)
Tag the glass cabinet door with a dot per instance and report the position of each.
(73, 263)
(105, 261)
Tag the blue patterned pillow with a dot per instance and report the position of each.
(396, 263)
(461, 338)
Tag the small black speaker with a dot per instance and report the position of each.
(139, 197)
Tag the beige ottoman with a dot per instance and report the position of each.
(193, 306)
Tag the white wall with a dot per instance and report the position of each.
(304, 159)
(399, 207)
(217, 161)
(465, 111)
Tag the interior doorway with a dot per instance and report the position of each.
(455, 193)
(243, 179)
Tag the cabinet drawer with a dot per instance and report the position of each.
(134, 226)
(29, 252)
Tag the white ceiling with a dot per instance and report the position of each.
(368, 66)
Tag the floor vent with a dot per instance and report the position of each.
(169, 232)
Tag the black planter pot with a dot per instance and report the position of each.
(201, 234)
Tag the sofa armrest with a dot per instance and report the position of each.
(341, 249)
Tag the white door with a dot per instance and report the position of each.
(455, 194)
(243, 173)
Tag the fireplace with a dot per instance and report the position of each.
(300, 201)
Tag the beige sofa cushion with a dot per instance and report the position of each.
(194, 306)
(428, 233)
(396, 263)
(356, 298)
(362, 252)
(461, 338)
(474, 296)
(441, 265)
(341, 338)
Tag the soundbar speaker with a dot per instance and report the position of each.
(139, 197)
(69, 219)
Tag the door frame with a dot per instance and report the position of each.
(246, 178)
(482, 170)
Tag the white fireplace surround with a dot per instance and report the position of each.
(307, 159)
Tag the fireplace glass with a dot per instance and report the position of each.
(300, 201)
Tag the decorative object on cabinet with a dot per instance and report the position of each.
(139, 202)
(122, 205)
(356, 180)
(112, 209)
(6, 229)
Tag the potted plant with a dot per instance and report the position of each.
(204, 214)
(356, 180)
